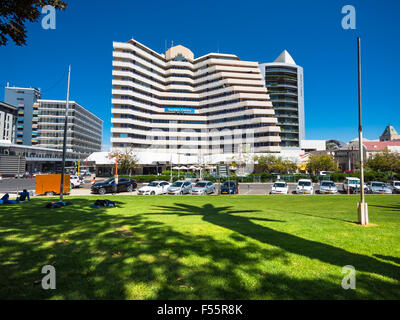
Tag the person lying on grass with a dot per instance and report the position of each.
(6, 200)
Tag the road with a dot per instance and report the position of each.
(12, 185)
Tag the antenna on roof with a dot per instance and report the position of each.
(172, 43)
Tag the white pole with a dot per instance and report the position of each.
(362, 206)
(65, 137)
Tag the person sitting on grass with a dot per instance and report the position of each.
(24, 195)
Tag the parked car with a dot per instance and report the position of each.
(229, 187)
(75, 181)
(180, 187)
(279, 187)
(396, 186)
(154, 188)
(328, 187)
(304, 186)
(124, 184)
(376, 187)
(203, 187)
(353, 184)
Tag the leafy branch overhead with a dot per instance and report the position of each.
(14, 14)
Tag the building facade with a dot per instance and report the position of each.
(177, 103)
(285, 84)
(84, 133)
(8, 120)
(24, 99)
(17, 159)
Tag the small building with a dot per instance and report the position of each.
(15, 158)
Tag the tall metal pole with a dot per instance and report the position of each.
(362, 207)
(65, 137)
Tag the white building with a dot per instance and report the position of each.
(8, 119)
(176, 103)
(84, 132)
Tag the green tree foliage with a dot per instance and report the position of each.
(127, 161)
(273, 164)
(385, 161)
(15, 13)
(321, 162)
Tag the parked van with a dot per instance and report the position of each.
(353, 184)
(49, 184)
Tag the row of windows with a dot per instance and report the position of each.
(232, 127)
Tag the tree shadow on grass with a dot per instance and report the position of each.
(388, 258)
(322, 217)
(224, 217)
(393, 208)
(114, 254)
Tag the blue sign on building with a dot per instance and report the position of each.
(179, 110)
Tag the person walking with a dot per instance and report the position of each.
(93, 181)
(114, 187)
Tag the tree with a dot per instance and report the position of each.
(385, 161)
(15, 13)
(127, 161)
(272, 164)
(321, 162)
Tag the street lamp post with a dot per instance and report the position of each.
(362, 206)
(65, 137)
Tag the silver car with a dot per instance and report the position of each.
(328, 187)
(203, 187)
(180, 187)
(377, 187)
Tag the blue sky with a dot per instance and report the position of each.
(254, 30)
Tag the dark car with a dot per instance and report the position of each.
(124, 184)
(229, 187)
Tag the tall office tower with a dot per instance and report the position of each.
(24, 99)
(8, 120)
(84, 128)
(177, 103)
(285, 84)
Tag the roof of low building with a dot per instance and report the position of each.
(380, 145)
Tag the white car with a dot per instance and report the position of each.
(280, 187)
(304, 186)
(75, 181)
(396, 186)
(154, 188)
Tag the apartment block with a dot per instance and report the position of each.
(177, 103)
(8, 120)
(24, 99)
(84, 134)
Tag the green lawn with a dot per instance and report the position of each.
(189, 247)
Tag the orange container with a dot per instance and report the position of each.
(49, 184)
